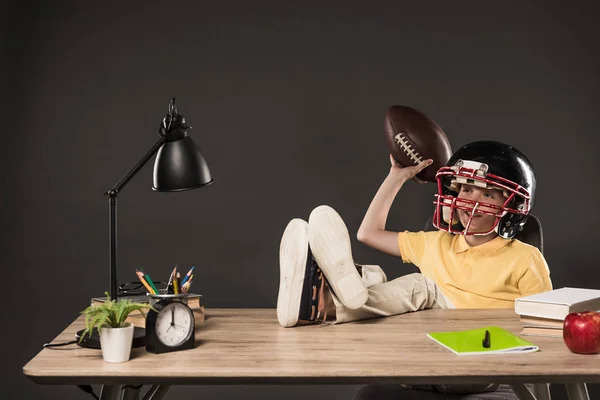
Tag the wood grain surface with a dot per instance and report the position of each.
(247, 346)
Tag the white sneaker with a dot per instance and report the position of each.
(330, 244)
(293, 254)
(304, 295)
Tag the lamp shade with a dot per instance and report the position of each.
(180, 165)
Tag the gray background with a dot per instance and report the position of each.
(287, 101)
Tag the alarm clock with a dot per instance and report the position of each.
(170, 327)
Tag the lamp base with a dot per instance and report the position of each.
(93, 341)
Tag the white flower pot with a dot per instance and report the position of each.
(116, 343)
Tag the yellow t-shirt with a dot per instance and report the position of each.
(491, 275)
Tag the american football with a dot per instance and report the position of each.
(414, 137)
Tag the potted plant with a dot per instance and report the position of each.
(116, 335)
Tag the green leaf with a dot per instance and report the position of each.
(111, 313)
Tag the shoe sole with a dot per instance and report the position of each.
(330, 245)
(293, 252)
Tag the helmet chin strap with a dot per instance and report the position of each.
(495, 230)
(498, 224)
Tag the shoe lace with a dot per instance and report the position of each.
(324, 298)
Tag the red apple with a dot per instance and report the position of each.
(581, 332)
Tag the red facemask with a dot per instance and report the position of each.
(474, 173)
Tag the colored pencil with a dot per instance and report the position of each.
(170, 284)
(188, 284)
(149, 280)
(140, 276)
(176, 283)
(187, 276)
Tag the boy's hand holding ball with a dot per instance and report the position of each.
(416, 142)
(405, 173)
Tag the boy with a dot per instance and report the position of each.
(484, 195)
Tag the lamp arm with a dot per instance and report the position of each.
(112, 209)
(119, 186)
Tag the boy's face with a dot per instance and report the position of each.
(481, 222)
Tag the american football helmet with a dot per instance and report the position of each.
(490, 165)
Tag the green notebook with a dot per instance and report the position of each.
(466, 343)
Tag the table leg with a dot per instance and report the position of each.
(157, 392)
(131, 392)
(110, 392)
(541, 391)
(522, 392)
(577, 391)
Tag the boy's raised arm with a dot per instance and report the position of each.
(372, 229)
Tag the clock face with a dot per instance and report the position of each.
(174, 324)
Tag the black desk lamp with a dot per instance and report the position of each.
(179, 166)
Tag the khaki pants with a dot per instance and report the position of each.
(407, 293)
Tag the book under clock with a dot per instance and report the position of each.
(138, 319)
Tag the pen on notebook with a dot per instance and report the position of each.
(152, 285)
(487, 341)
(187, 276)
(140, 276)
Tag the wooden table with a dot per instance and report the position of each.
(247, 346)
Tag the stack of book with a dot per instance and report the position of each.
(535, 326)
(543, 314)
(138, 319)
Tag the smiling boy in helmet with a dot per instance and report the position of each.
(485, 193)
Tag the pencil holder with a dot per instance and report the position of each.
(162, 294)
